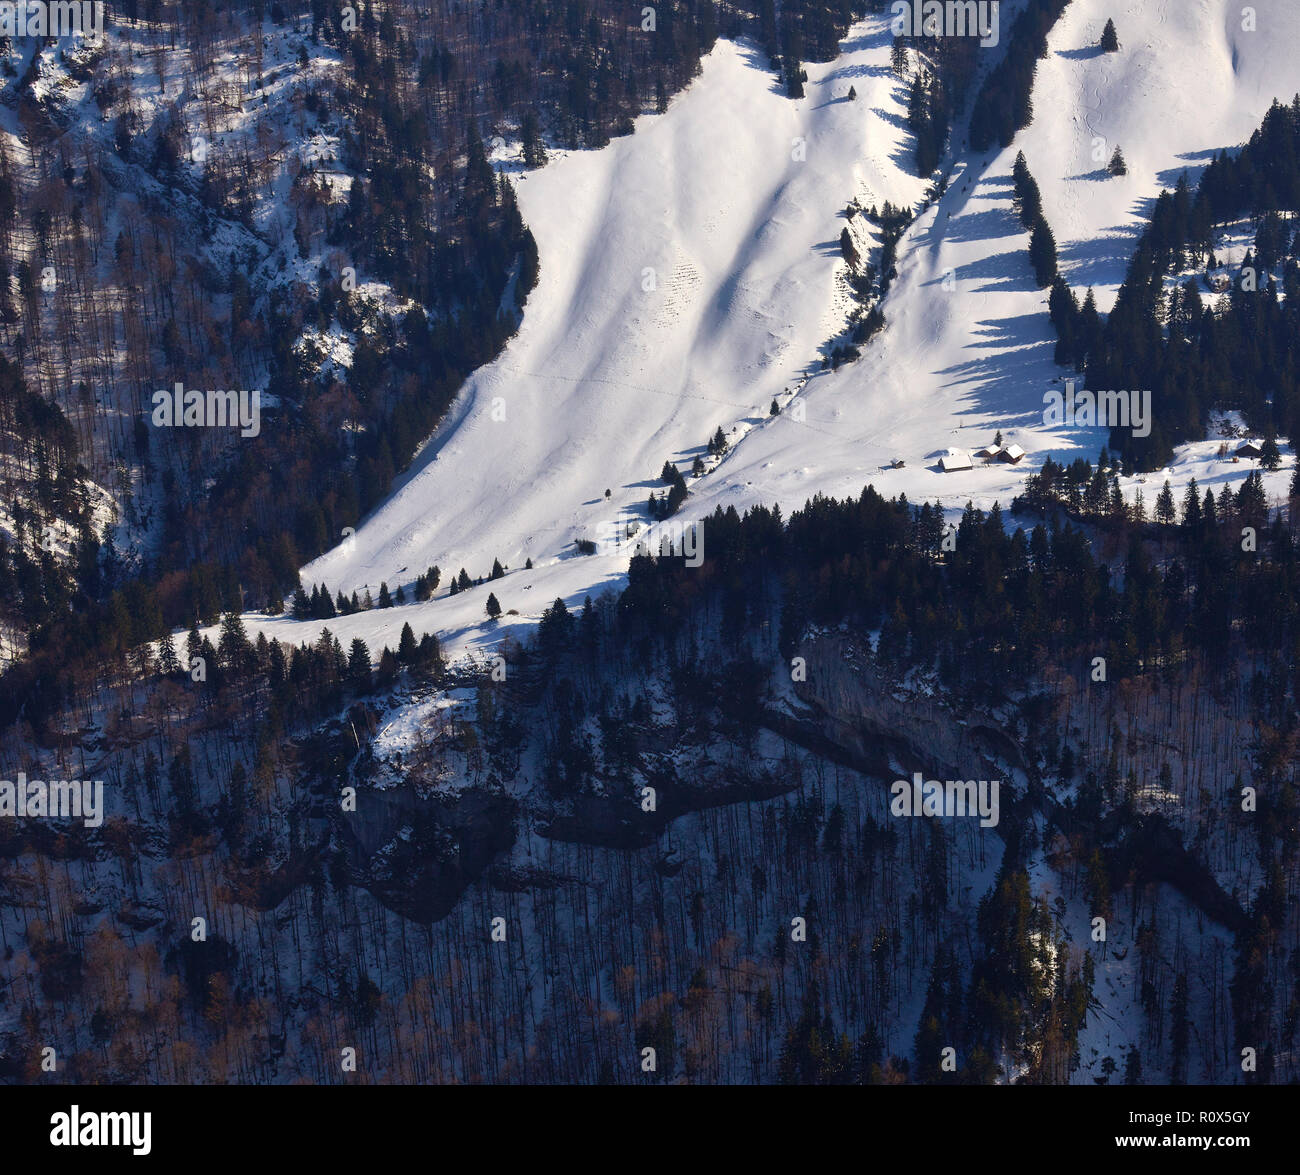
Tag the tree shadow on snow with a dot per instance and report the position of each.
(1015, 356)
(845, 72)
(1083, 53)
(1100, 260)
(1197, 162)
(878, 39)
(992, 224)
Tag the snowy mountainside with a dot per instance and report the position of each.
(1189, 80)
(650, 795)
(691, 274)
(733, 200)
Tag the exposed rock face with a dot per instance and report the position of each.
(847, 718)
(1154, 852)
(417, 856)
(617, 822)
(862, 722)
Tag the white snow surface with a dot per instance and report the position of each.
(733, 201)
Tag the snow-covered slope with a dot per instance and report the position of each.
(969, 348)
(688, 276)
(1189, 80)
(691, 272)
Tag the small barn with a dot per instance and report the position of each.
(1249, 449)
(988, 453)
(955, 459)
(1011, 454)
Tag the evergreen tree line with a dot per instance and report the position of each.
(303, 682)
(996, 603)
(1004, 103)
(1028, 203)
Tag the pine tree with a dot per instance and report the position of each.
(193, 643)
(898, 57)
(498, 572)
(406, 646)
(168, 662)
(1109, 38)
(1252, 501)
(795, 77)
(848, 250)
(774, 410)
(534, 152)
(428, 656)
(1026, 198)
(1042, 253)
(210, 659)
(1117, 166)
(1227, 505)
(1270, 457)
(359, 665)
(385, 600)
(493, 608)
(234, 648)
(1089, 332)
(1191, 506)
(1165, 505)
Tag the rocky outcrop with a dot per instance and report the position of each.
(418, 855)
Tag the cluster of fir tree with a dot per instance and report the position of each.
(1240, 351)
(1038, 597)
(307, 680)
(1028, 203)
(668, 504)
